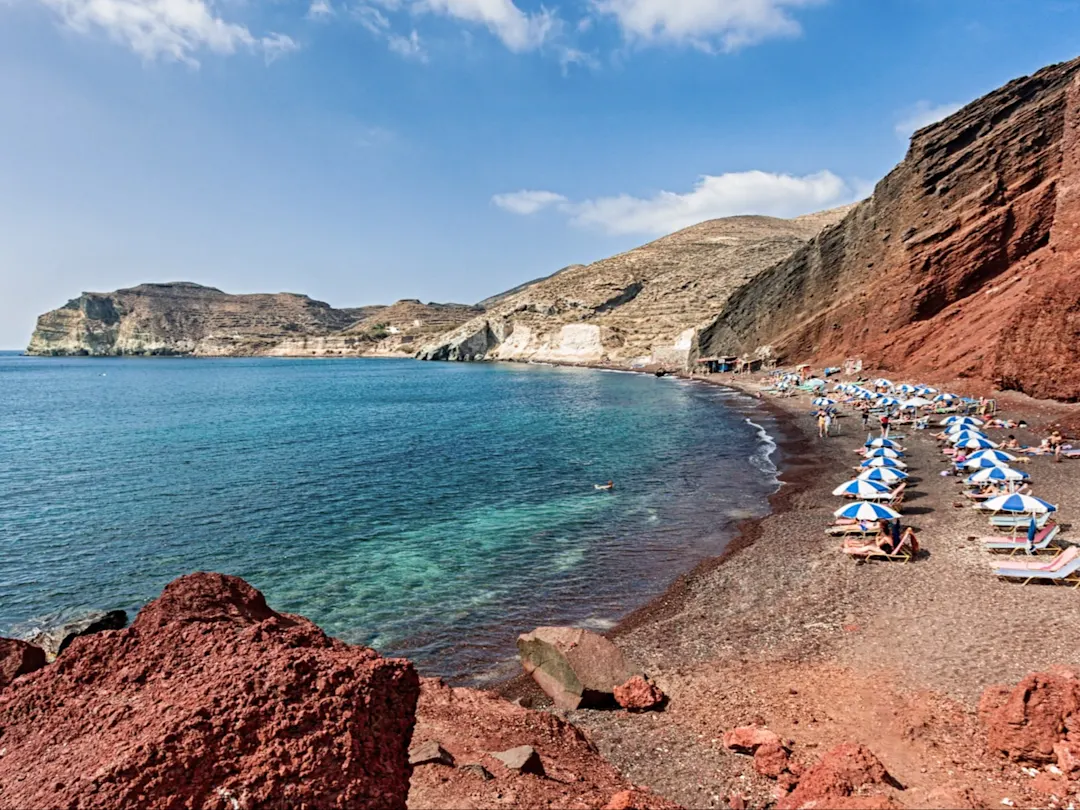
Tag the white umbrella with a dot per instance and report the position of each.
(992, 474)
(884, 443)
(1023, 504)
(884, 462)
(976, 443)
(964, 435)
(867, 511)
(995, 455)
(884, 452)
(916, 402)
(883, 475)
(861, 488)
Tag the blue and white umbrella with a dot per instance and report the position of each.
(996, 474)
(963, 427)
(884, 452)
(963, 435)
(883, 443)
(906, 388)
(881, 382)
(926, 389)
(861, 488)
(983, 463)
(884, 462)
(1022, 504)
(883, 475)
(996, 455)
(946, 398)
(867, 511)
(888, 402)
(823, 402)
(915, 402)
(961, 420)
(975, 443)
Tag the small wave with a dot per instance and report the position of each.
(762, 459)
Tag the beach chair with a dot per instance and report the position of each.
(847, 529)
(902, 553)
(1061, 559)
(1066, 572)
(1018, 543)
(1018, 521)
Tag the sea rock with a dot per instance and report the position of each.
(771, 760)
(575, 667)
(210, 694)
(18, 658)
(835, 779)
(639, 695)
(430, 753)
(57, 639)
(748, 739)
(1026, 722)
(522, 759)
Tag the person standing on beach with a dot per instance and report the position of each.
(866, 419)
(885, 425)
(822, 425)
(828, 421)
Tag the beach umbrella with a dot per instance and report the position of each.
(925, 390)
(946, 398)
(983, 463)
(884, 462)
(916, 402)
(976, 443)
(867, 511)
(883, 443)
(888, 402)
(962, 427)
(961, 420)
(883, 475)
(884, 452)
(996, 455)
(815, 383)
(906, 388)
(823, 402)
(861, 488)
(1023, 504)
(963, 435)
(881, 382)
(992, 474)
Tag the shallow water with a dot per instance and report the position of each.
(429, 510)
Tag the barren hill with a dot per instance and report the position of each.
(181, 318)
(640, 306)
(962, 263)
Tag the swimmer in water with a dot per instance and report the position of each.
(609, 486)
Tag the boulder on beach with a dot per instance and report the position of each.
(57, 639)
(748, 739)
(639, 695)
(18, 658)
(1026, 722)
(575, 667)
(210, 699)
(843, 778)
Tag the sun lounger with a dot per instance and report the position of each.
(1067, 574)
(1018, 521)
(1063, 558)
(844, 529)
(871, 551)
(1043, 539)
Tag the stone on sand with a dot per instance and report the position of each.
(575, 667)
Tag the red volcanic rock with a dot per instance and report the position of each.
(637, 799)
(575, 667)
(747, 739)
(840, 774)
(638, 695)
(210, 700)
(771, 760)
(1027, 722)
(18, 658)
(1068, 758)
(1051, 784)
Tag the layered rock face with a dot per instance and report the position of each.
(187, 319)
(960, 264)
(211, 700)
(638, 307)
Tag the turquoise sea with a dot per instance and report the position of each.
(430, 510)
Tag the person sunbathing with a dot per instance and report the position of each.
(1010, 443)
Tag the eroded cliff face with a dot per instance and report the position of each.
(962, 262)
(640, 307)
(188, 319)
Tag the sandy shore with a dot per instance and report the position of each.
(784, 628)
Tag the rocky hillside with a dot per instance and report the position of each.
(638, 307)
(181, 318)
(962, 263)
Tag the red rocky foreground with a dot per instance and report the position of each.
(209, 700)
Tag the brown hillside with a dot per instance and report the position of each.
(960, 264)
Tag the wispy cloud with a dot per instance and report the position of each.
(923, 114)
(726, 25)
(519, 31)
(409, 46)
(713, 196)
(166, 29)
(320, 10)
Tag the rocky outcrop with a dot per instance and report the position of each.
(636, 308)
(848, 777)
(18, 658)
(575, 667)
(57, 639)
(1028, 722)
(961, 263)
(210, 699)
(181, 318)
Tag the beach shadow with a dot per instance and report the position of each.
(918, 510)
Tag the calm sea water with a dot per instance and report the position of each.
(429, 510)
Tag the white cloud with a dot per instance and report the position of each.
(409, 46)
(527, 202)
(168, 29)
(923, 114)
(753, 192)
(704, 23)
(517, 30)
(320, 10)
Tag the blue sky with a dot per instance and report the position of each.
(362, 151)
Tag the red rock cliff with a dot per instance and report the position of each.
(209, 700)
(962, 263)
